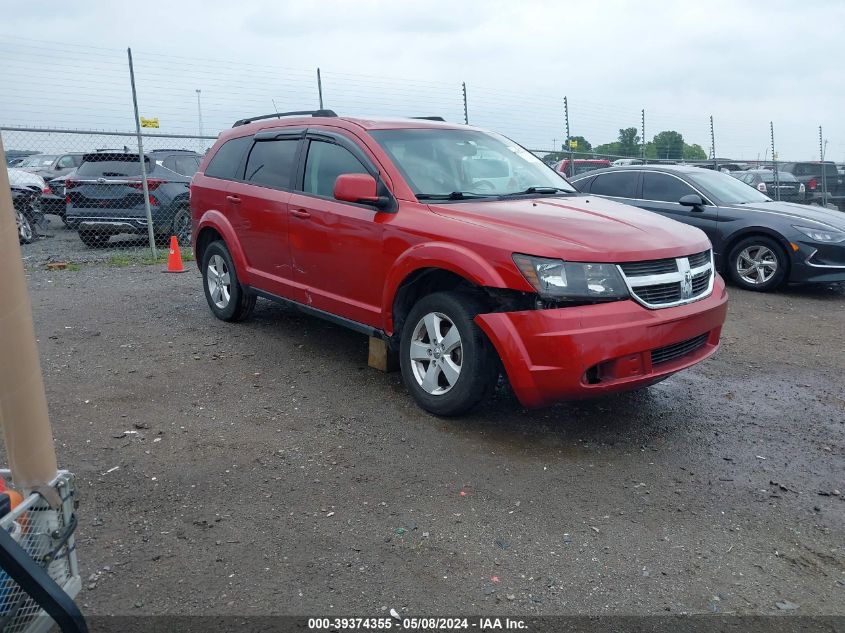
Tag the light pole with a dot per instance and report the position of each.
(199, 110)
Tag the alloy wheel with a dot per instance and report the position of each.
(219, 281)
(24, 228)
(756, 264)
(436, 353)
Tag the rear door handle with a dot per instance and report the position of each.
(300, 213)
(233, 199)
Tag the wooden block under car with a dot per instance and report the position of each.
(380, 357)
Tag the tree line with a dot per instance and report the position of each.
(666, 145)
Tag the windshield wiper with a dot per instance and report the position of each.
(455, 195)
(541, 190)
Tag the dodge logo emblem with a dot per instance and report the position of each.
(686, 285)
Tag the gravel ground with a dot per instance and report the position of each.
(273, 472)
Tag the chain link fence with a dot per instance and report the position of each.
(95, 204)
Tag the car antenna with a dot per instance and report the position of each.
(275, 109)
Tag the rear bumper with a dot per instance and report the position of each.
(581, 352)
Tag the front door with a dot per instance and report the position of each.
(661, 192)
(336, 247)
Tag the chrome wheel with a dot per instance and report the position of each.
(24, 228)
(436, 353)
(219, 281)
(756, 264)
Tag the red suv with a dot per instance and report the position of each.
(459, 248)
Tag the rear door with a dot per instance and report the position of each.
(262, 197)
(661, 192)
(336, 247)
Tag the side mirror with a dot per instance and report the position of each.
(361, 188)
(692, 200)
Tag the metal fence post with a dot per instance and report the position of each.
(775, 162)
(642, 131)
(150, 231)
(713, 145)
(568, 138)
(466, 111)
(320, 87)
(824, 171)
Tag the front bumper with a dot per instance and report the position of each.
(818, 263)
(586, 351)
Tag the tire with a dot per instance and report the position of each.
(25, 233)
(435, 384)
(93, 240)
(228, 301)
(758, 263)
(181, 226)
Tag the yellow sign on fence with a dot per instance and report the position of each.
(573, 143)
(149, 122)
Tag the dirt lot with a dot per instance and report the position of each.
(264, 468)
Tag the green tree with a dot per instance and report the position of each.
(629, 142)
(669, 144)
(607, 149)
(583, 145)
(694, 152)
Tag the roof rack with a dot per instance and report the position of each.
(279, 115)
(430, 118)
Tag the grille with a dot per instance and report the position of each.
(661, 293)
(699, 259)
(677, 350)
(655, 267)
(662, 283)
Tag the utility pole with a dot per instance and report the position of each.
(774, 161)
(320, 88)
(199, 110)
(142, 158)
(642, 131)
(568, 138)
(466, 111)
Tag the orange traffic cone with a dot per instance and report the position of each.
(174, 259)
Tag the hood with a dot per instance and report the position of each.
(23, 178)
(798, 213)
(580, 228)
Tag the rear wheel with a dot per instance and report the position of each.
(447, 363)
(758, 263)
(228, 300)
(94, 240)
(25, 232)
(182, 226)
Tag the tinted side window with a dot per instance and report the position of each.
(270, 163)
(65, 162)
(622, 184)
(227, 160)
(327, 161)
(664, 188)
(187, 165)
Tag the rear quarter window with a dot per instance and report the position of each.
(227, 163)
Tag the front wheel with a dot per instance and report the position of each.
(447, 362)
(25, 233)
(758, 263)
(228, 300)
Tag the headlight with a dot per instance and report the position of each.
(822, 235)
(557, 279)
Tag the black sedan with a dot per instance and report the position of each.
(785, 187)
(757, 242)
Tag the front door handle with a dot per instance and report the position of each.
(300, 213)
(233, 199)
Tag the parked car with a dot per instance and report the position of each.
(53, 201)
(815, 175)
(49, 166)
(105, 197)
(16, 157)
(786, 187)
(27, 190)
(758, 242)
(580, 166)
(619, 162)
(376, 225)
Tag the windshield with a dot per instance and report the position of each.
(726, 188)
(42, 160)
(439, 162)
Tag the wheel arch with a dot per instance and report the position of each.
(752, 231)
(215, 226)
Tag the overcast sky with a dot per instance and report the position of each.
(746, 63)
